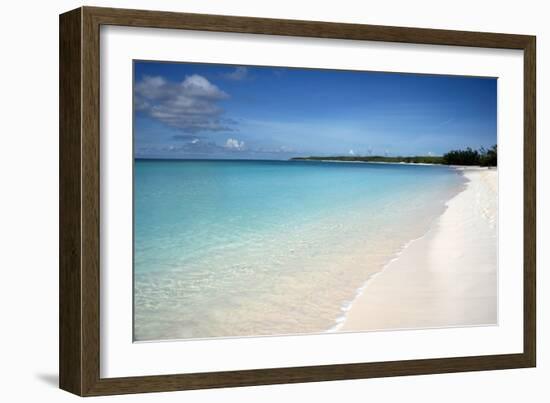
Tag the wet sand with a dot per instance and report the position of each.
(446, 278)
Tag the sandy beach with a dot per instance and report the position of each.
(448, 277)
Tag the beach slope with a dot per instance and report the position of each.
(446, 278)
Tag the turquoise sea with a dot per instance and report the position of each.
(231, 248)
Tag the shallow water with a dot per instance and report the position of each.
(244, 248)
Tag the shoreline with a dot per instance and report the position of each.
(436, 283)
(378, 162)
(459, 167)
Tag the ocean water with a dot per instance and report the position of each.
(251, 248)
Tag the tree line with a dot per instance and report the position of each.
(482, 157)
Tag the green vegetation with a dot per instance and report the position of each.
(488, 158)
(481, 157)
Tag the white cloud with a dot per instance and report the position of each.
(191, 105)
(351, 152)
(234, 144)
(240, 73)
(152, 87)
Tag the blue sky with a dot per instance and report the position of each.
(186, 110)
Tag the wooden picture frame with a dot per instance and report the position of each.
(79, 317)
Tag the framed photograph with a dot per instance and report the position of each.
(249, 201)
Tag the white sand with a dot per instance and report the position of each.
(446, 278)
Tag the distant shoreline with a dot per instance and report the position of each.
(486, 157)
(367, 162)
(400, 163)
(417, 159)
